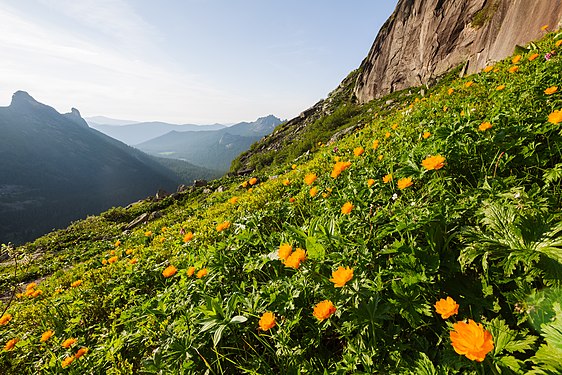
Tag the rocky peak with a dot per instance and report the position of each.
(75, 117)
(22, 98)
(423, 39)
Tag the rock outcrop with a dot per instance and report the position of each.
(425, 38)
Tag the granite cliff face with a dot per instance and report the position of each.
(423, 39)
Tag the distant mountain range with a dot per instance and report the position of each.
(56, 169)
(212, 149)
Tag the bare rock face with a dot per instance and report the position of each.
(423, 39)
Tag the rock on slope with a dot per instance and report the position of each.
(423, 39)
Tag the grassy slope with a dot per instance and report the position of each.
(484, 229)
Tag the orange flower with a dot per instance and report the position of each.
(5, 319)
(488, 68)
(558, 43)
(10, 344)
(30, 286)
(555, 117)
(267, 321)
(346, 208)
(284, 251)
(370, 182)
(323, 310)
(341, 276)
(201, 273)
(104, 261)
(188, 237)
(68, 342)
(471, 340)
(75, 284)
(286, 182)
(513, 69)
(47, 335)
(190, 271)
(358, 151)
(222, 226)
(37, 293)
(133, 261)
(533, 56)
(83, 350)
(468, 84)
(169, 271)
(253, 181)
(450, 91)
(233, 200)
(516, 59)
(484, 126)
(339, 167)
(500, 87)
(403, 183)
(292, 200)
(294, 166)
(117, 243)
(129, 251)
(446, 307)
(313, 191)
(67, 361)
(386, 179)
(148, 233)
(112, 260)
(551, 90)
(387, 135)
(310, 178)
(433, 162)
(375, 144)
(426, 135)
(296, 258)
(544, 27)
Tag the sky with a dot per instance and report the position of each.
(183, 61)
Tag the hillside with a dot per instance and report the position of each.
(425, 239)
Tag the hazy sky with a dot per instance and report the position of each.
(183, 61)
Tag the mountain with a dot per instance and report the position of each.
(56, 169)
(211, 149)
(133, 134)
(423, 39)
(108, 121)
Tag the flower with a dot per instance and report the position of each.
(37, 293)
(484, 126)
(555, 117)
(169, 271)
(450, 91)
(68, 342)
(548, 56)
(222, 226)
(387, 135)
(323, 310)
(339, 167)
(370, 182)
(47, 335)
(244, 184)
(75, 284)
(500, 87)
(284, 251)
(544, 27)
(83, 350)
(190, 271)
(488, 68)
(426, 135)
(346, 208)
(294, 166)
(433, 162)
(533, 56)
(233, 200)
(380, 157)
(295, 259)
(471, 340)
(395, 126)
(133, 261)
(104, 261)
(30, 286)
(513, 69)
(341, 276)
(5, 319)
(405, 182)
(386, 179)
(292, 200)
(551, 90)
(286, 182)
(313, 191)
(112, 260)
(310, 178)
(468, 84)
(129, 251)
(201, 273)
(117, 243)
(446, 307)
(188, 237)
(67, 361)
(267, 321)
(358, 151)
(558, 43)
(10, 344)
(375, 144)
(516, 59)
(148, 233)
(253, 181)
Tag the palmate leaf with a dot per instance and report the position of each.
(548, 359)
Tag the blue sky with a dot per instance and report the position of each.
(183, 61)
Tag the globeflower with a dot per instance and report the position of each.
(468, 84)
(133, 261)
(516, 59)
(201, 273)
(370, 182)
(117, 243)
(484, 126)
(450, 91)
(129, 251)
(222, 226)
(375, 144)
(37, 293)
(169, 271)
(10, 344)
(75, 284)
(284, 251)
(555, 117)
(47, 335)
(500, 87)
(83, 350)
(112, 260)
(67, 361)
(358, 151)
(339, 167)
(558, 43)
(533, 56)
(5, 319)
(148, 233)
(253, 181)
(188, 237)
(395, 126)
(551, 90)
(313, 191)
(30, 286)
(488, 68)
(190, 271)
(446, 307)
(286, 182)
(386, 179)
(267, 321)
(294, 166)
(405, 182)
(426, 135)
(233, 200)
(323, 310)
(346, 208)
(471, 340)
(341, 276)
(68, 342)
(310, 178)
(513, 69)
(295, 259)
(433, 162)
(387, 135)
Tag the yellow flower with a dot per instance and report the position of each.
(433, 162)
(148, 233)
(468, 84)
(310, 178)
(190, 271)
(47, 335)
(233, 200)
(516, 59)
(83, 350)
(286, 182)
(555, 117)
(201, 273)
(5, 319)
(544, 27)
(446, 307)
(77, 283)
(395, 126)
(117, 243)
(500, 87)
(294, 260)
(484, 126)
(558, 43)
(450, 91)
(488, 68)
(104, 261)
(267, 321)
(129, 251)
(58, 290)
(403, 183)
(370, 182)
(222, 226)
(337, 158)
(37, 293)
(375, 144)
(133, 261)
(112, 260)
(471, 340)
(245, 183)
(313, 191)
(513, 69)
(284, 251)
(188, 237)
(551, 90)
(386, 179)
(294, 166)
(253, 181)
(426, 135)
(30, 286)
(380, 157)
(346, 208)
(164, 229)
(10, 344)
(67, 361)
(533, 56)
(323, 310)
(358, 151)
(387, 135)
(341, 276)
(339, 167)
(68, 342)
(169, 271)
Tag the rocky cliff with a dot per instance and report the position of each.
(424, 38)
